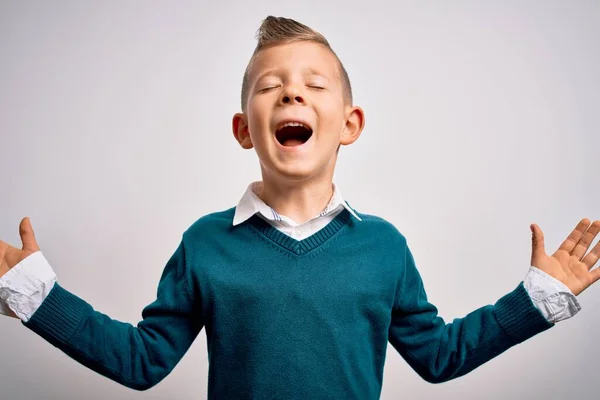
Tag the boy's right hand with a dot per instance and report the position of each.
(11, 256)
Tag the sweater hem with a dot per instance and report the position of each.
(58, 316)
(519, 317)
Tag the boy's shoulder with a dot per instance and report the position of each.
(380, 225)
(217, 220)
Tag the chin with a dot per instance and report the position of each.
(295, 174)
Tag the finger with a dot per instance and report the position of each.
(571, 241)
(595, 274)
(592, 257)
(27, 235)
(586, 240)
(537, 243)
(3, 247)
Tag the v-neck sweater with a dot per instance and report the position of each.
(288, 319)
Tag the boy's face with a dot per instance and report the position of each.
(298, 83)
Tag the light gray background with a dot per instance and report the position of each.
(482, 117)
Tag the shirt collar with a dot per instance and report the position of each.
(251, 204)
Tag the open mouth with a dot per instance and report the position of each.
(293, 134)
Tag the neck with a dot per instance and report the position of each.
(300, 201)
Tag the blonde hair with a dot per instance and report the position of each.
(279, 30)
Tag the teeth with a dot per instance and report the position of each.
(294, 124)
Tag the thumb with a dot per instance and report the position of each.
(537, 243)
(27, 235)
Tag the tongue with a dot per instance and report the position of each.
(292, 142)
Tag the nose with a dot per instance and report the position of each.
(291, 95)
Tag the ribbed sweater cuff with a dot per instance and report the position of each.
(58, 316)
(518, 316)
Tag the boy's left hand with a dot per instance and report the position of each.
(569, 264)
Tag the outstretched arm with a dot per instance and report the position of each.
(136, 356)
(441, 351)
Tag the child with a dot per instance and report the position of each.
(299, 293)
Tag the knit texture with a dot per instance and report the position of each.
(287, 319)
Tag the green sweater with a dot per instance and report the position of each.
(287, 319)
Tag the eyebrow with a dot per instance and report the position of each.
(315, 72)
(266, 73)
(305, 71)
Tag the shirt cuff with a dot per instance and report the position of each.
(553, 298)
(4, 310)
(25, 286)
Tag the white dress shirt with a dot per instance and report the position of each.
(24, 287)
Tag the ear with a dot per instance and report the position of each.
(240, 130)
(355, 122)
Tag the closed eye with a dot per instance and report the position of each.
(316, 87)
(267, 89)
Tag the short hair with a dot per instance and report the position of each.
(279, 30)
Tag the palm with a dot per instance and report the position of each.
(11, 256)
(570, 264)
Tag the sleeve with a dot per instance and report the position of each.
(440, 351)
(135, 356)
(25, 286)
(553, 298)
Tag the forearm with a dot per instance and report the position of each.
(440, 351)
(135, 356)
(446, 351)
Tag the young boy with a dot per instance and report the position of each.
(298, 292)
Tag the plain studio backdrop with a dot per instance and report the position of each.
(481, 118)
